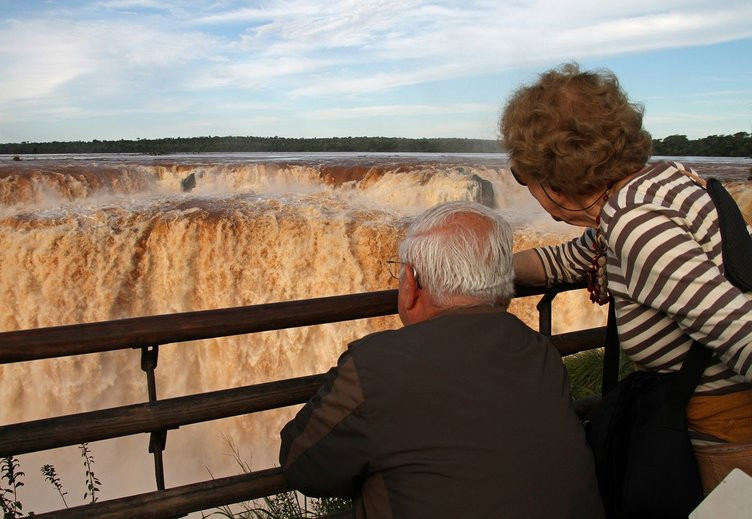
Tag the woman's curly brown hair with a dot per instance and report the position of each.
(574, 130)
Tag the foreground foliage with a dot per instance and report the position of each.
(586, 371)
(288, 505)
(11, 476)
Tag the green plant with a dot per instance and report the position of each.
(331, 505)
(287, 505)
(92, 483)
(50, 475)
(11, 474)
(10, 482)
(586, 371)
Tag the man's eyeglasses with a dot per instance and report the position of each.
(517, 178)
(394, 266)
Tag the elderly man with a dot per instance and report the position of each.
(463, 412)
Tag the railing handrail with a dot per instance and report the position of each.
(178, 501)
(171, 413)
(168, 413)
(184, 499)
(158, 416)
(139, 332)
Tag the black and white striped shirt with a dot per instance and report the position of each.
(665, 271)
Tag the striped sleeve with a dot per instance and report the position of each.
(568, 262)
(666, 269)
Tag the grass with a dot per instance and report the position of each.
(287, 505)
(586, 371)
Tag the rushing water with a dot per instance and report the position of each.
(95, 237)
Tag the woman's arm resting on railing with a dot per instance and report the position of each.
(528, 269)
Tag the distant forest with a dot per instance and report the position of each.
(259, 144)
(737, 145)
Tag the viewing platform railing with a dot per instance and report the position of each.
(156, 417)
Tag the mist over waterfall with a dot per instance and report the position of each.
(93, 238)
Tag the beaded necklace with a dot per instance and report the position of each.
(597, 284)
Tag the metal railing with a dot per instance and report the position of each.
(156, 417)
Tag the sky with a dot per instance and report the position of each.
(133, 69)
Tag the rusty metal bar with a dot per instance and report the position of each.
(581, 340)
(157, 439)
(544, 312)
(183, 499)
(174, 412)
(187, 498)
(169, 413)
(149, 358)
(156, 417)
(544, 306)
(138, 332)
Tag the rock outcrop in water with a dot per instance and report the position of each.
(486, 195)
(188, 183)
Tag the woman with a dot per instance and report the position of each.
(652, 243)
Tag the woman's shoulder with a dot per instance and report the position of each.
(669, 169)
(662, 192)
(665, 184)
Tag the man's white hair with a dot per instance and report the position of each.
(461, 249)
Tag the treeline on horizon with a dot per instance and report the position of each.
(257, 144)
(737, 145)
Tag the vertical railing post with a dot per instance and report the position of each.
(545, 313)
(157, 439)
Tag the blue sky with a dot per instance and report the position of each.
(126, 69)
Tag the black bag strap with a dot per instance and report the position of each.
(610, 351)
(736, 248)
(695, 362)
(736, 244)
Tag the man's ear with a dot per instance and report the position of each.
(412, 288)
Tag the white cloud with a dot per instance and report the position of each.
(368, 82)
(412, 42)
(35, 61)
(38, 57)
(400, 110)
(135, 4)
(134, 55)
(349, 46)
(253, 74)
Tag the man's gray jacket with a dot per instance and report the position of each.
(465, 415)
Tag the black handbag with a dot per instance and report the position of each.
(645, 464)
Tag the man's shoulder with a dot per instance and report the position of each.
(451, 325)
(373, 338)
(483, 320)
(379, 341)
